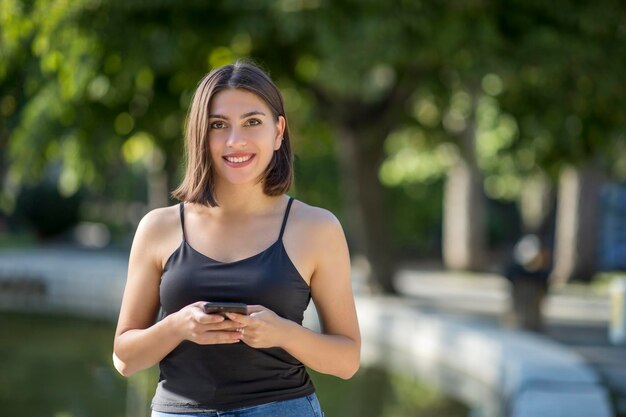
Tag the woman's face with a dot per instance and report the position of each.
(243, 136)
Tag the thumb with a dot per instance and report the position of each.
(255, 309)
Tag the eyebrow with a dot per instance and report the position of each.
(243, 116)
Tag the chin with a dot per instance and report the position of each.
(250, 182)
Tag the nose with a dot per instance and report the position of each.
(236, 138)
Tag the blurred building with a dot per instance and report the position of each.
(612, 247)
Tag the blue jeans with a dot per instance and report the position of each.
(307, 406)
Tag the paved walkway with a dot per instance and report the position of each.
(574, 316)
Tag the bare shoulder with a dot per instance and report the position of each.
(159, 233)
(159, 221)
(313, 237)
(317, 222)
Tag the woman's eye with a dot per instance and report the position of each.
(217, 125)
(253, 122)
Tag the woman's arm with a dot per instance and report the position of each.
(337, 350)
(140, 342)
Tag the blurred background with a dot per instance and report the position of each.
(474, 152)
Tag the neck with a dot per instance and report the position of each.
(243, 200)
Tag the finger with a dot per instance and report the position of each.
(239, 318)
(225, 325)
(200, 316)
(210, 318)
(255, 308)
(216, 337)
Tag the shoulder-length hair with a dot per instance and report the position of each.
(198, 185)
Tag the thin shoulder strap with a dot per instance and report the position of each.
(182, 218)
(282, 228)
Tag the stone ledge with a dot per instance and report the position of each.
(532, 376)
(71, 281)
(581, 401)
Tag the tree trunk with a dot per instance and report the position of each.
(363, 196)
(157, 181)
(576, 240)
(464, 206)
(536, 207)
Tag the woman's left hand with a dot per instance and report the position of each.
(261, 328)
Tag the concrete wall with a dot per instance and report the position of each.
(530, 375)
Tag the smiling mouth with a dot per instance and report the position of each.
(238, 159)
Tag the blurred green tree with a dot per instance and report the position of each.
(568, 98)
(403, 92)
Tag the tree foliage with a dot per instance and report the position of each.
(96, 90)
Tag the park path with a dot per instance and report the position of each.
(574, 316)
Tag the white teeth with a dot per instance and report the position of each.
(238, 159)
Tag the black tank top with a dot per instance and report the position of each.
(222, 377)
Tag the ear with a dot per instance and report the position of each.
(280, 131)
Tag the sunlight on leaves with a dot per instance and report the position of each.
(144, 79)
(492, 84)
(220, 56)
(241, 44)
(413, 160)
(307, 67)
(124, 124)
(138, 147)
(426, 111)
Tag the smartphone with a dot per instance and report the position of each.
(223, 308)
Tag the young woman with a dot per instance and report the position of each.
(238, 237)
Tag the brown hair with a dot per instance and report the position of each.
(198, 184)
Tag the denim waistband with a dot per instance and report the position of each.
(307, 406)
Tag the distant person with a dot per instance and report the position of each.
(528, 273)
(237, 237)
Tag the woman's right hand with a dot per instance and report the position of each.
(195, 325)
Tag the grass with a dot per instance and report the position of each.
(376, 392)
(58, 367)
(17, 240)
(61, 367)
